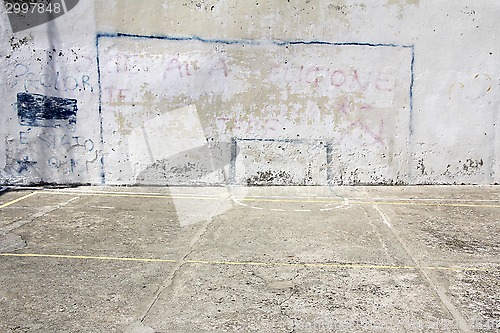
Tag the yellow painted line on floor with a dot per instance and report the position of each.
(247, 263)
(59, 256)
(129, 195)
(17, 200)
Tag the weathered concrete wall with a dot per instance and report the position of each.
(246, 92)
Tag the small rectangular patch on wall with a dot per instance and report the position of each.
(45, 111)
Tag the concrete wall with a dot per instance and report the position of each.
(253, 92)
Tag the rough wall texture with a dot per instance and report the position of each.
(249, 92)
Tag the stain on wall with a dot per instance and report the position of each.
(253, 93)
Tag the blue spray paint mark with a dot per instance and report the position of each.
(101, 130)
(232, 166)
(44, 111)
(247, 41)
(186, 38)
(25, 164)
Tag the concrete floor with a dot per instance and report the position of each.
(262, 259)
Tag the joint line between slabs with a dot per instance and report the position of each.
(426, 273)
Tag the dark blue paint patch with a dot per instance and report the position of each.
(45, 111)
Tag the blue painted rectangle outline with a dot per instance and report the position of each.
(242, 42)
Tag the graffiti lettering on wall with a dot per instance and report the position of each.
(471, 88)
(47, 105)
(195, 74)
(25, 164)
(23, 76)
(45, 111)
(342, 117)
(348, 94)
(195, 77)
(53, 149)
(178, 65)
(329, 77)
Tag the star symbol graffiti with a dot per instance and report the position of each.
(25, 163)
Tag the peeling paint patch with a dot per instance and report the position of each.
(470, 165)
(270, 177)
(10, 242)
(17, 43)
(421, 167)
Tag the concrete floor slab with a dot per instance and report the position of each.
(476, 295)
(16, 206)
(294, 235)
(261, 259)
(107, 226)
(68, 295)
(221, 298)
(467, 234)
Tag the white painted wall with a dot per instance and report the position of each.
(246, 92)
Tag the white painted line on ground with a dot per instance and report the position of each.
(102, 207)
(383, 216)
(44, 211)
(338, 198)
